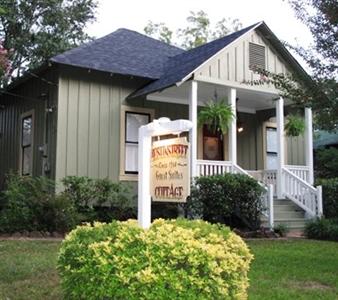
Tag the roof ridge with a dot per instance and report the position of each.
(95, 40)
(219, 39)
(149, 37)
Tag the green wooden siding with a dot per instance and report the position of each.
(33, 94)
(88, 140)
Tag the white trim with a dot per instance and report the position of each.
(233, 128)
(280, 145)
(152, 97)
(238, 85)
(309, 143)
(193, 96)
(124, 108)
(218, 52)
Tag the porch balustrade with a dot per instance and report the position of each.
(302, 172)
(294, 181)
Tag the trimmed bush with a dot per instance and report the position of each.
(330, 196)
(30, 204)
(100, 199)
(173, 259)
(232, 199)
(322, 229)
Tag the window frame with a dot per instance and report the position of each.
(24, 116)
(125, 137)
(129, 175)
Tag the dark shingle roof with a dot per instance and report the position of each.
(128, 52)
(181, 65)
(124, 52)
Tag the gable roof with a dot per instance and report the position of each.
(123, 52)
(127, 52)
(180, 66)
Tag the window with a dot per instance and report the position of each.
(271, 148)
(133, 121)
(256, 56)
(26, 144)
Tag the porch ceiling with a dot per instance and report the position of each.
(248, 100)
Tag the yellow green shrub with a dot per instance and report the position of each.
(174, 259)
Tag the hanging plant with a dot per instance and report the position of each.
(295, 125)
(217, 115)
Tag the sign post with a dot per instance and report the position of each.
(162, 126)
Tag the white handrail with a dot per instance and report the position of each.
(301, 171)
(302, 193)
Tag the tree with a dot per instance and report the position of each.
(320, 93)
(39, 29)
(198, 31)
(5, 66)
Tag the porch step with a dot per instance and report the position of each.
(287, 213)
(282, 208)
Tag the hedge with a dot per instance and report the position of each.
(330, 196)
(231, 199)
(173, 259)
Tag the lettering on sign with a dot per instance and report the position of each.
(170, 170)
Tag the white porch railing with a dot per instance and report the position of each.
(214, 167)
(302, 193)
(266, 176)
(302, 172)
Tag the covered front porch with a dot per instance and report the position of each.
(255, 143)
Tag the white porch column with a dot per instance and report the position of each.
(309, 143)
(280, 145)
(193, 131)
(233, 127)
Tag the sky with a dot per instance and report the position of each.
(134, 14)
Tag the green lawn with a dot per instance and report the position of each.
(292, 269)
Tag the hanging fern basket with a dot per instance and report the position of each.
(295, 126)
(217, 116)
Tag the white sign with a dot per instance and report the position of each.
(170, 170)
(160, 127)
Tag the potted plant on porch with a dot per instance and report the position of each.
(216, 115)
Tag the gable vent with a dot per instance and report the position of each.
(256, 56)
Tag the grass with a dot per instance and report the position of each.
(27, 270)
(294, 269)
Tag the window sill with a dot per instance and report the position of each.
(128, 177)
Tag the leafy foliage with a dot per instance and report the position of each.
(322, 229)
(281, 229)
(232, 199)
(321, 90)
(217, 115)
(39, 29)
(295, 125)
(198, 31)
(5, 66)
(174, 259)
(330, 196)
(100, 199)
(30, 204)
(326, 163)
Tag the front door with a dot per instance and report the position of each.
(212, 144)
